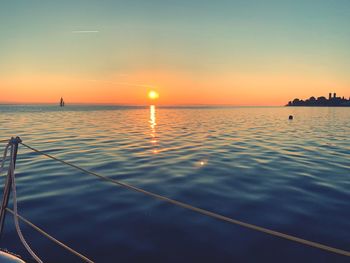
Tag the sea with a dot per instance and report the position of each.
(251, 164)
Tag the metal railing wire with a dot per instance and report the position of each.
(176, 203)
(200, 210)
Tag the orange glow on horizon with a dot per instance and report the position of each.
(176, 87)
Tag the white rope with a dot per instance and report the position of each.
(18, 229)
(41, 231)
(17, 217)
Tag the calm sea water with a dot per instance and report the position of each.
(252, 164)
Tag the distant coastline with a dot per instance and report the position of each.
(332, 101)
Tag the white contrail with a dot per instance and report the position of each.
(85, 31)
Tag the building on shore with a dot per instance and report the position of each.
(332, 101)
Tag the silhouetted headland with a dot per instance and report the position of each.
(332, 101)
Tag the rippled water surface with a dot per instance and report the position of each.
(251, 164)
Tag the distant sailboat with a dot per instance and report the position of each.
(62, 102)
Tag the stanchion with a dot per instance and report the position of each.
(13, 142)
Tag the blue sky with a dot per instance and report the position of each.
(191, 37)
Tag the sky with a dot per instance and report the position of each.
(237, 52)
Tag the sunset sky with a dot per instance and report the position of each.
(237, 52)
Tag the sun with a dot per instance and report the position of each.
(153, 95)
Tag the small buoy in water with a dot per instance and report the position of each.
(291, 117)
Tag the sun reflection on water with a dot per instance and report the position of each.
(153, 124)
(153, 117)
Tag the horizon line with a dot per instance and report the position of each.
(137, 105)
